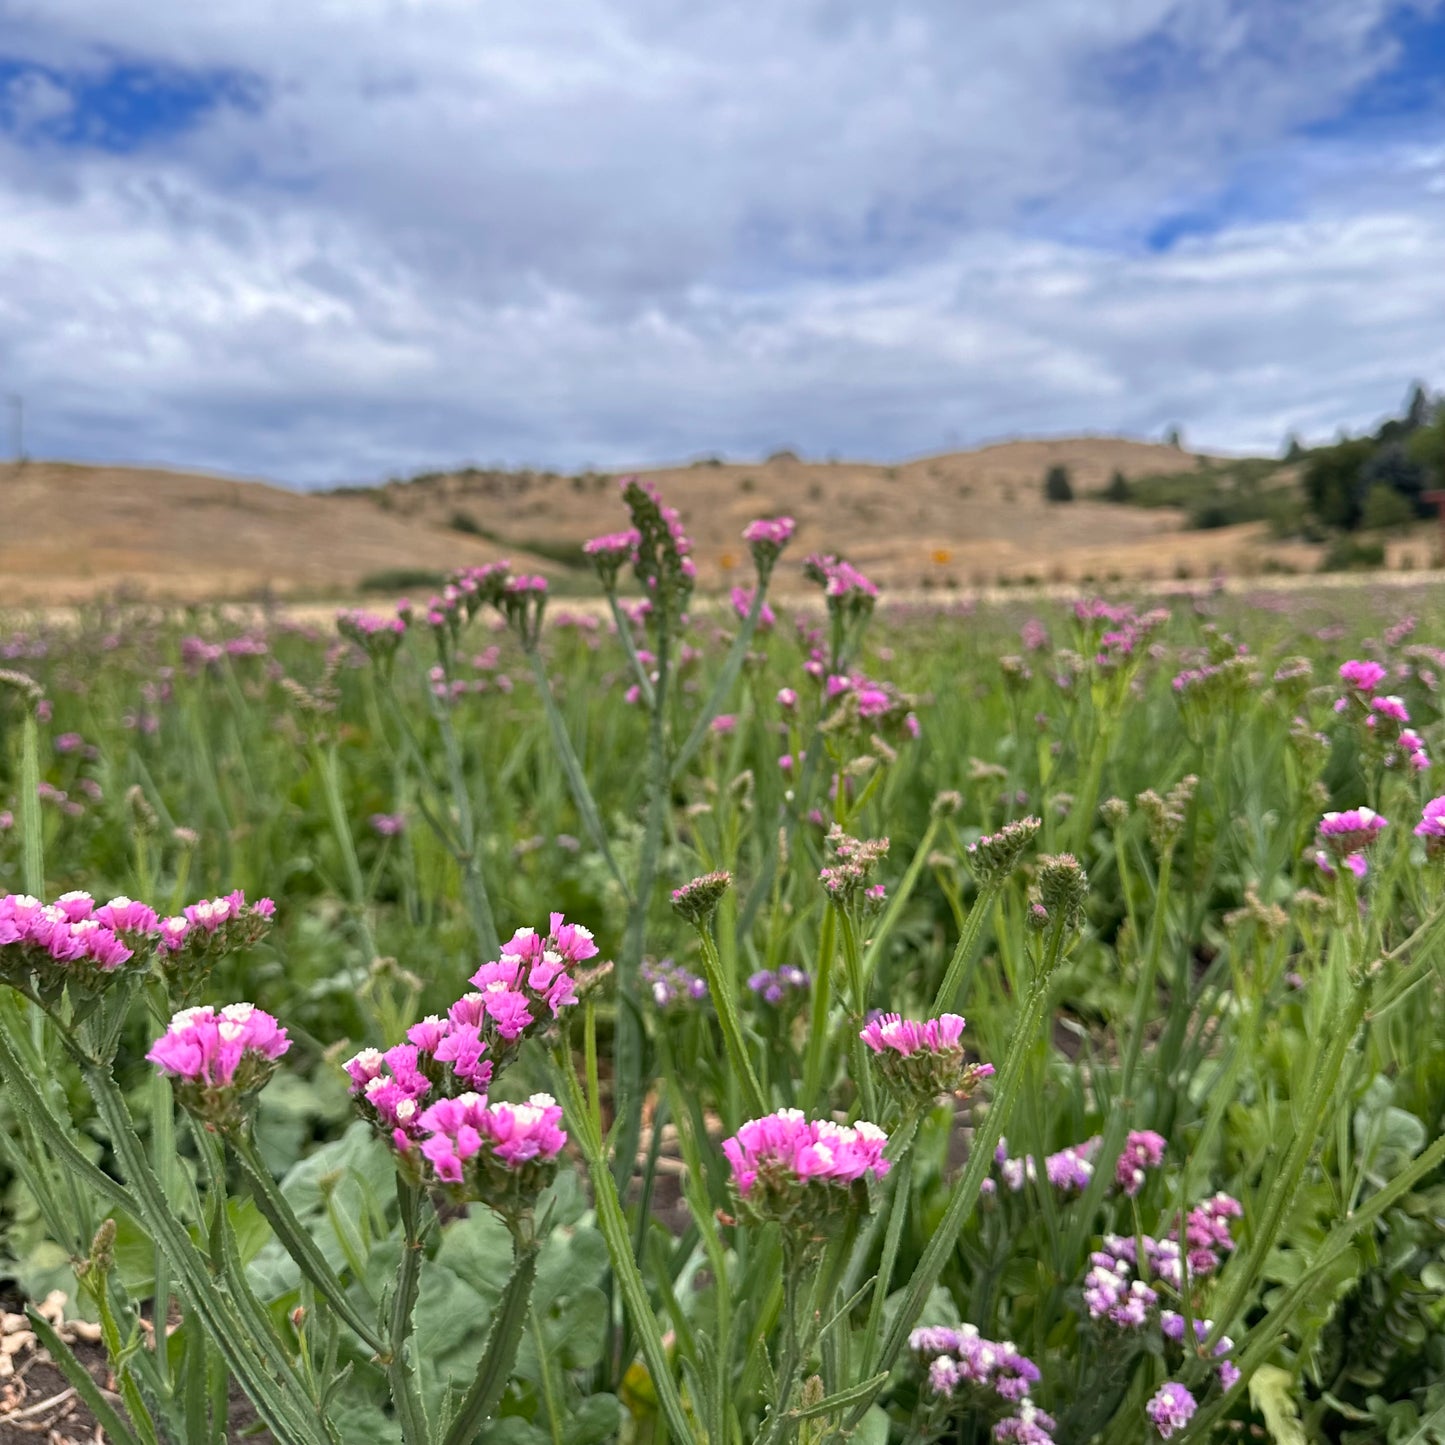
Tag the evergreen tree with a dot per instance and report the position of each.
(1057, 487)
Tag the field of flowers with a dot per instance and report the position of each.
(482, 1022)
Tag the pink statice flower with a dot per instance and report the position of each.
(789, 1168)
(742, 599)
(921, 1060)
(1171, 1409)
(502, 1154)
(1144, 1150)
(388, 825)
(54, 945)
(1352, 831)
(1431, 827)
(1391, 707)
(1362, 676)
(219, 1059)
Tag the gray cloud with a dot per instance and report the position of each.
(610, 232)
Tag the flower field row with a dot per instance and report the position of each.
(794, 1022)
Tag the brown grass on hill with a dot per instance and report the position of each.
(966, 519)
(70, 531)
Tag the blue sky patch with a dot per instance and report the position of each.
(120, 109)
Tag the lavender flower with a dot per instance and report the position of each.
(1171, 1409)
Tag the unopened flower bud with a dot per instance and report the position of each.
(994, 856)
(102, 1247)
(1114, 812)
(1063, 888)
(697, 900)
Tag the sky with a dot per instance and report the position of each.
(330, 241)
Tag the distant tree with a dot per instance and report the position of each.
(1385, 509)
(1427, 450)
(1418, 408)
(1393, 466)
(1293, 451)
(1118, 488)
(1057, 487)
(1174, 437)
(1332, 481)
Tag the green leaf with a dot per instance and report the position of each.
(598, 1418)
(1270, 1392)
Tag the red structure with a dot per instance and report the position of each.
(1438, 499)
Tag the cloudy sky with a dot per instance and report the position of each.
(320, 240)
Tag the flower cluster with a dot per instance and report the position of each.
(696, 900)
(1343, 838)
(922, 1060)
(1431, 827)
(662, 559)
(854, 860)
(378, 636)
(1384, 717)
(457, 1057)
(76, 941)
(1143, 1150)
(611, 553)
(671, 986)
(994, 856)
(502, 1154)
(806, 1174)
(1171, 1409)
(1063, 890)
(767, 537)
(962, 1365)
(219, 1059)
(777, 987)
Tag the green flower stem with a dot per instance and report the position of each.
(1246, 1268)
(723, 684)
(612, 1223)
(727, 1015)
(297, 1241)
(980, 1157)
(325, 762)
(95, 1285)
(32, 837)
(479, 903)
(400, 1368)
(900, 1201)
(818, 1018)
(857, 1050)
(550, 1403)
(582, 798)
(290, 1419)
(970, 941)
(624, 636)
(1265, 1334)
(899, 899)
(500, 1353)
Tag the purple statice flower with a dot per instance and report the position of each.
(671, 985)
(1110, 1290)
(1171, 1409)
(1352, 831)
(1207, 1232)
(776, 987)
(388, 825)
(1071, 1169)
(1028, 1425)
(962, 1359)
(69, 743)
(1171, 1326)
(1144, 1150)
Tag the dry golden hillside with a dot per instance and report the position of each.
(963, 519)
(69, 531)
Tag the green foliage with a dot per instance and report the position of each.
(1057, 486)
(400, 579)
(1385, 509)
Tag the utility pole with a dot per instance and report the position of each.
(17, 426)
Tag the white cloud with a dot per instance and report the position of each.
(604, 232)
